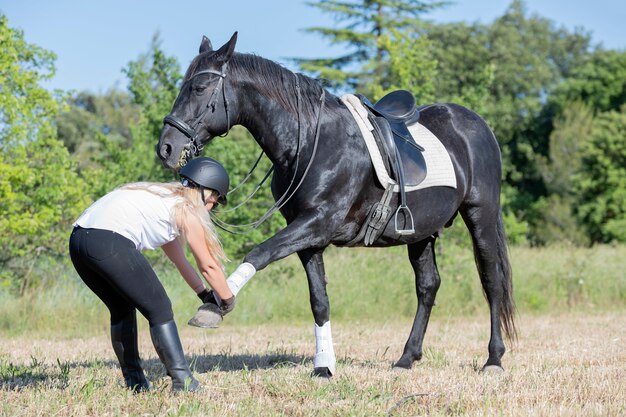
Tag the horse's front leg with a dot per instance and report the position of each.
(308, 236)
(313, 262)
(302, 233)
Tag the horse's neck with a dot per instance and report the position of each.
(275, 129)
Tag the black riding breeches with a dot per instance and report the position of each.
(119, 275)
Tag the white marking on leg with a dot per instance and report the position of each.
(324, 352)
(240, 277)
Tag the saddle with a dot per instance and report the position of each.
(402, 156)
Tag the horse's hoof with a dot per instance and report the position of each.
(402, 365)
(492, 369)
(322, 373)
(207, 317)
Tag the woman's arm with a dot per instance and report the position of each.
(209, 267)
(176, 254)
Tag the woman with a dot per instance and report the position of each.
(105, 249)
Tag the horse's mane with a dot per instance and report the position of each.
(271, 79)
(278, 83)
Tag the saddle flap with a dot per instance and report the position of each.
(413, 162)
(388, 145)
(400, 152)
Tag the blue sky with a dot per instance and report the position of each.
(95, 39)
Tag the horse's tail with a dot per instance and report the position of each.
(507, 309)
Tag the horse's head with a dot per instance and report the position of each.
(202, 109)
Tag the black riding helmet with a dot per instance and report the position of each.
(206, 172)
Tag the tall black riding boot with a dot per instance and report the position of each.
(124, 341)
(170, 351)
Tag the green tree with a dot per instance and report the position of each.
(124, 129)
(409, 66)
(40, 192)
(596, 86)
(365, 24)
(90, 118)
(465, 72)
(506, 71)
(599, 80)
(531, 58)
(601, 181)
(555, 219)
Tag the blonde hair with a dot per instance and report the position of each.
(189, 206)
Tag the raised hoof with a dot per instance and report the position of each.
(322, 373)
(208, 317)
(492, 369)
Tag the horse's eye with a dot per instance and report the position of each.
(199, 89)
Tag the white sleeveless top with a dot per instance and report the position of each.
(141, 216)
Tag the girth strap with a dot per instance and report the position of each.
(379, 217)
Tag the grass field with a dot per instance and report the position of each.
(363, 284)
(56, 359)
(563, 365)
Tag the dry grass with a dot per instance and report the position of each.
(562, 365)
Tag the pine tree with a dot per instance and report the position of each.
(365, 28)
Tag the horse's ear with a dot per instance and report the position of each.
(205, 45)
(227, 50)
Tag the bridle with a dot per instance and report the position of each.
(194, 147)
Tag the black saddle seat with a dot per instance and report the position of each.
(399, 106)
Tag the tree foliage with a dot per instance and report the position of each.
(126, 127)
(40, 192)
(90, 117)
(601, 180)
(366, 28)
(409, 66)
(557, 106)
(555, 218)
(464, 70)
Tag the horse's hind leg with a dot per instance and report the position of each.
(324, 362)
(491, 255)
(422, 257)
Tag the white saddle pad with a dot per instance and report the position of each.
(439, 168)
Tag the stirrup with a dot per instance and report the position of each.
(404, 232)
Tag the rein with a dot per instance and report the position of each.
(288, 194)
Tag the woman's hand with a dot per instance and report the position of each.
(212, 311)
(224, 306)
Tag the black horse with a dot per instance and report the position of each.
(325, 182)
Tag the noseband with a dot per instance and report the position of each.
(195, 147)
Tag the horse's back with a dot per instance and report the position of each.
(472, 146)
